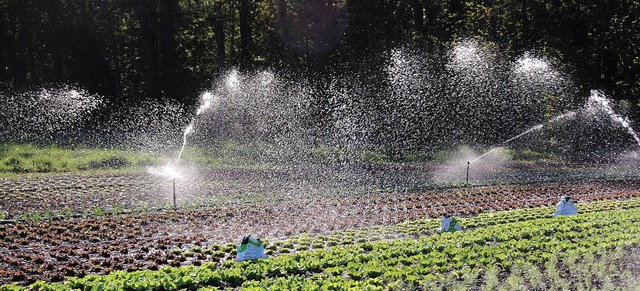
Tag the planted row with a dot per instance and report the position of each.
(412, 262)
(55, 250)
(79, 193)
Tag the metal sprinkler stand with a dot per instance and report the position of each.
(174, 194)
(468, 163)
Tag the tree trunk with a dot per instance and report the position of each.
(524, 16)
(56, 34)
(430, 12)
(168, 19)
(245, 33)
(282, 11)
(149, 41)
(282, 19)
(19, 52)
(219, 32)
(418, 18)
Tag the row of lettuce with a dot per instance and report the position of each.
(427, 227)
(500, 241)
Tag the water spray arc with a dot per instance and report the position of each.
(537, 127)
(531, 129)
(207, 100)
(596, 101)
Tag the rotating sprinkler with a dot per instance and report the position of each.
(468, 164)
(170, 172)
(174, 194)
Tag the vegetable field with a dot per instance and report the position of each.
(107, 231)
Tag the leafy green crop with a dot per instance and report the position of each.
(428, 260)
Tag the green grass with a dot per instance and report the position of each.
(16, 159)
(27, 158)
(231, 154)
(228, 154)
(528, 155)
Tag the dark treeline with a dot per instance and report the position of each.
(128, 50)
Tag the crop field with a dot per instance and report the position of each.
(120, 230)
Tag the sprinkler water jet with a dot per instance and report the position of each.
(531, 129)
(207, 100)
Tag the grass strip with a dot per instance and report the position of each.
(23, 159)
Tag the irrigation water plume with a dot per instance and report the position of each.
(169, 170)
(539, 126)
(188, 130)
(533, 128)
(597, 101)
(598, 98)
(207, 100)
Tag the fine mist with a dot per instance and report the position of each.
(487, 168)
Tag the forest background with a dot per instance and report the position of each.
(132, 50)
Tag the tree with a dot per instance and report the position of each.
(219, 33)
(418, 18)
(245, 33)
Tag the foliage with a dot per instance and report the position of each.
(173, 49)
